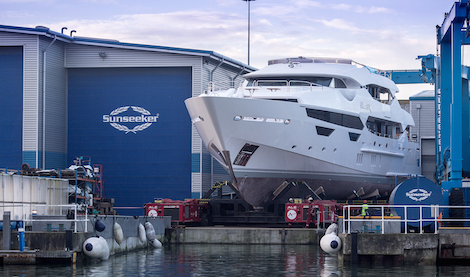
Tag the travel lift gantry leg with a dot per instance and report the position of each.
(451, 98)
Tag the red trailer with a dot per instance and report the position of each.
(315, 212)
(181, 212)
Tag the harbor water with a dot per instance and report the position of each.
(227, 260)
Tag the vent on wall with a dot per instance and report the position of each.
(359, 158)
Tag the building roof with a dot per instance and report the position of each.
(423, 95)
(45, 31)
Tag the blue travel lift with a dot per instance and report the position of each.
(451, 99)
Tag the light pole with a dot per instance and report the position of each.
(248, 29)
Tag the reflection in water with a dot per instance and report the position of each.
(227, 260)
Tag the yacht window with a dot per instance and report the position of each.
(383, 128)
(322, 81)
(323, 131)
(339, 83)
(286, 99)
(344, 120)
(380, 93)
(292, 81)
(300, 83)
(271, 83)
(354, 136)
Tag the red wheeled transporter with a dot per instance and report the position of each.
(181, 212)
(316, 212)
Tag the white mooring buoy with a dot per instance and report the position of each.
(150, 231)
(156, 243)
(330, 242)
(96, 247)
(151, 236)
(118, 235)
(142, 236)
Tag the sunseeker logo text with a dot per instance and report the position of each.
(418, 194)
(116, 118)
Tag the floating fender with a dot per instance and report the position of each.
(150, 231)
(99, 225)
(330, 242)
(142, 235)
(156, 243)
(96, 247)
(118, 235)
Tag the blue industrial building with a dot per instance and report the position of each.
(121, 104)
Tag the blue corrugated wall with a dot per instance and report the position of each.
(153, 162)
(11, 106)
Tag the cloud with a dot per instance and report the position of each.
(371, 10)
(22, 1)
(277, 31)
(341, 24)
(360, 9)
(306, 3)
(189, 29)
(9, 15)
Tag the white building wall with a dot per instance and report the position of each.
(196, 141)
(423, 114)
(21, 195)
(53, 109)
(88, 56)
(224, 77)
(56, 100)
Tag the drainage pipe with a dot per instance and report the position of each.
(44, 102)
(212, 73)
(236, 76)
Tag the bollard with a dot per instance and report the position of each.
(354, 248)
(21, 238)
(6, 231)
(69, 239)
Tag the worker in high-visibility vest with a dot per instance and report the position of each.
(311, 213)
(365, 209)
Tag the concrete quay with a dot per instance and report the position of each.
(449, 246)
(399, 249)
(244, 235)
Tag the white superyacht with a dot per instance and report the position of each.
(331, 123)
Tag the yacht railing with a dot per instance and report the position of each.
(427, 214)
(273, 85)
(285, 83)
(221, 86)
(29, 211)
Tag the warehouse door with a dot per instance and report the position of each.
(428, 158)
(133, 121)
(11, 106)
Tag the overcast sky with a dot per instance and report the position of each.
(386, 34)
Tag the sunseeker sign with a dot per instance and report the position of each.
(130, 123)
(418, 194)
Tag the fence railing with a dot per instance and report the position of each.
(419, 215)
(29, 211)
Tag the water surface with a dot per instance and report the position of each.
(228, 260)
